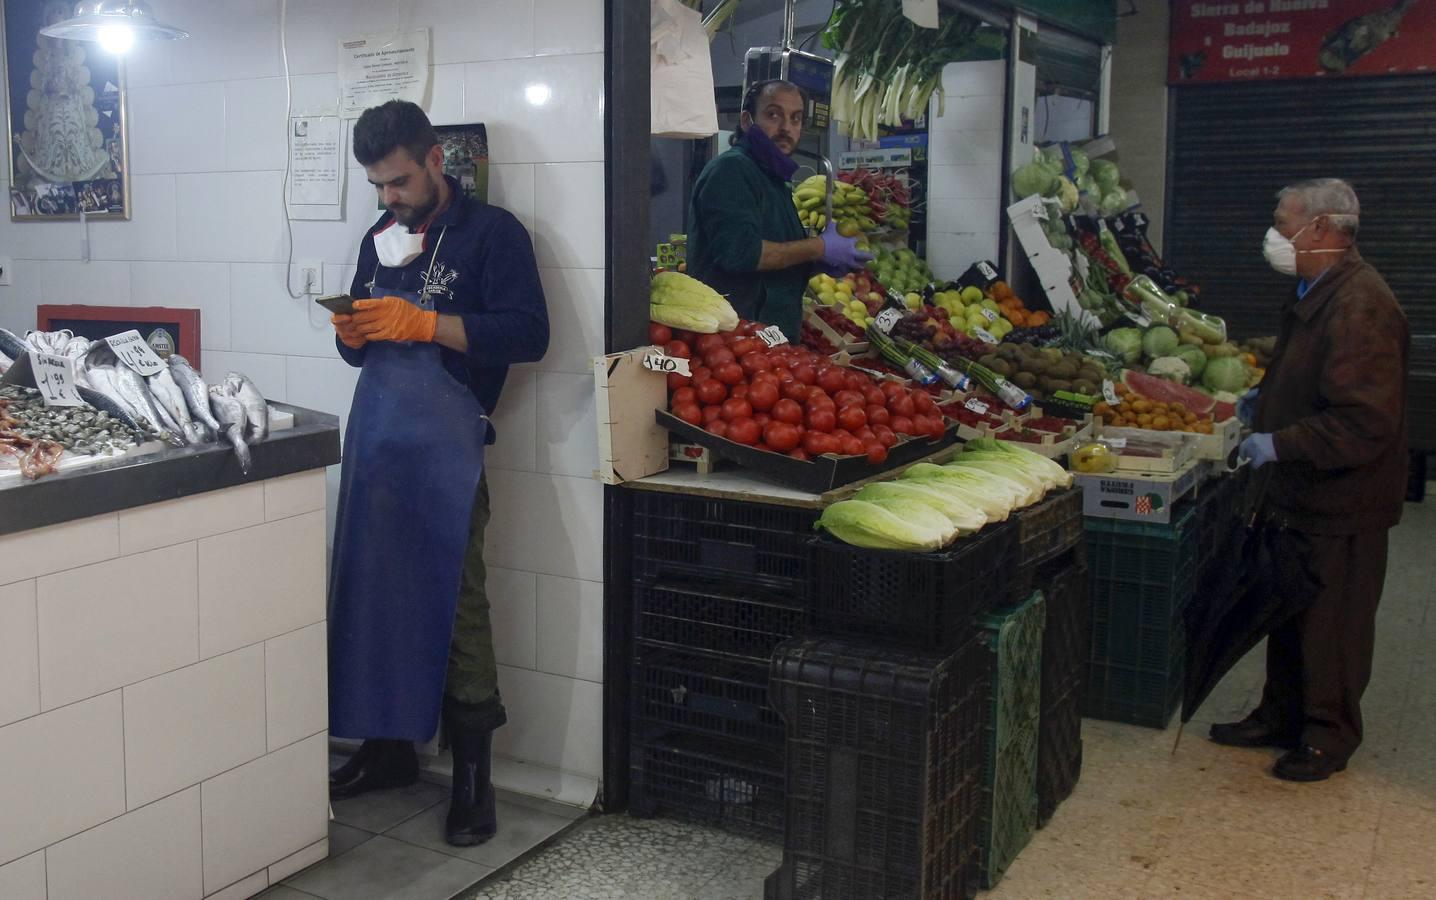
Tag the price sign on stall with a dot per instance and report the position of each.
(667, 365)
(886, 319)
(976, 406)
(773, 336)
(985, 336)
(132, 350)
(987, 270)
(989, 315)
(1109, 393)
(55, 378)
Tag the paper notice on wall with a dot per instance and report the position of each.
(315, 160)
(377, 68)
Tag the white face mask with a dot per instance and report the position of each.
(1281, 251)
(397, 246)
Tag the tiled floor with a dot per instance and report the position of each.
(1201, 823)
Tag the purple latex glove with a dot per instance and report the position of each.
(841, 254)
(1260, 449)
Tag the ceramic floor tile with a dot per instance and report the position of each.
(1039, 874)
(283, 892)
(1240, 861)
(378, 811)
(566, 810)
(343, 838)
(385, 869)
(1160, 888)
(520, 830)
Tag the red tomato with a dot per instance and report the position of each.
(676, 381)
(902, 406)
(690, 414)
(684, 396)
(748, 329)
(744, 431)
(788, 411)
(763, 394)
(939, 427)
(852, 417)
(892, 389)
(711, 392)
(745, 345)
(902, 425)
(708, 342)
(781, 436)
(754, 363)
(874, 396)
(805, 373)
(678, 349)
(737, 408)
(799, 453)
(817, 398)
(865, 434)
(817, 443)
(767, 375)
(820, 419)
(878, 415)
(884, 435)
(712, 413)
(686, 337)
(922, 403)
(795, 390)
(730, 373)
(852, 446)
(832, 379)
(659, 334)
(920, 426)
(762, 418)
(718, 356)
(857, 381)
(701, 373)
(877, 453)
(718, 427)
(849, 398)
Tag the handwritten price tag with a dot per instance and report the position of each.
(1109, 393)
(773, 336)
(986, 336)
(989, 315)
(976, 406)
(135, 353)
(55, 377)
(987, 271)
(886, 319)
(667, 365)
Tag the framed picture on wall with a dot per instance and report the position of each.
(65, 112)
(466, 158)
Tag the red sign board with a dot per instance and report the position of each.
(1257, 40)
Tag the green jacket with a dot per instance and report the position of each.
(736, 206)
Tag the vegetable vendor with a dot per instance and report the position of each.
(449, 298)
(1330, 422)
(744, 237)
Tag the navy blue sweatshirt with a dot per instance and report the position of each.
(484, 273)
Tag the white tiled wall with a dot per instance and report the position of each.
(160, 738)
(965, 167)
(207, 154)
(1139, 106)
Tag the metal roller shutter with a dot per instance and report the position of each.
(1234, 146)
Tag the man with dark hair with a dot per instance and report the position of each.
(1330, 421)
(447, 298)
(744, 237)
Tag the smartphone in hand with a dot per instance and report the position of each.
(339, 304)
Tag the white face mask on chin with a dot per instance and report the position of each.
(397, 246)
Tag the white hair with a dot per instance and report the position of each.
(1330, 197)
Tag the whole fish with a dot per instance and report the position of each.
(104, 404)
(11, 344)
(170, 398)
(78, 347)
(5, 362)
(196, 395)
(256, 411)
(230, 413)
(133, 388)
(101, 379)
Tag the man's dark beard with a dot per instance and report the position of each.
(419, 213)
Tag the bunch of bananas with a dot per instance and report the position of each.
(851, 207)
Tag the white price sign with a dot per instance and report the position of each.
(55, 377)
(773, 336)
(987, 271)
(976, 406)
(1109, 393)
(135, 353)
(986, 336)
(886, 319)
(667, 365)
(989, 315)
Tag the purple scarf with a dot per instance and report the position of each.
(768, 155)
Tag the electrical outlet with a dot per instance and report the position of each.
(309, 277)
(5, 266)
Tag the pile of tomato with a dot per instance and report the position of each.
(789, 399)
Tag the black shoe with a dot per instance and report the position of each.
(1306, 763)
(386, 764)
(473, 816)
(1252, 732)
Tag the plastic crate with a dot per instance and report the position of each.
(884, 763)
(1160, 558)
(736, 787)
(723, 541)
(1132, 695)
(1049, 528)
(723, 621)
(922, 600)
(701, 694)
(1059, 752)
(1009, 804)
(1011, 639)
(1067, 639)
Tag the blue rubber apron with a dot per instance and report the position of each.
(413, 453)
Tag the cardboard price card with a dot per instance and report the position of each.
(55, 378)
(132, 350)
(773, 336)
(667, 365)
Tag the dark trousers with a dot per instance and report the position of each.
(1318, 665)
(472, 671)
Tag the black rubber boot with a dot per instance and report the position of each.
(473, 817)
(379, 765)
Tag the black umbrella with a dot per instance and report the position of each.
(1266, 579)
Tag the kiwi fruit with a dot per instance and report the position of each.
(988, 359)
(1025, 380)
(1064, 370)
(1002, 367)
(1059, 384)
(1084, 386)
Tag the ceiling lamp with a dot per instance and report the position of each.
(114, 24)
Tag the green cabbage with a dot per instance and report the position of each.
(1037, 177)
(964, 517)
(1106, 174)
(1225, 373)
(1088, 185)
(1195, 358)
(1124, 343)
(869, 525)
(1081, 162)
(1160, 341)
(1066, 194)
(1113, 202)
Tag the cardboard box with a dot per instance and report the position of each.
(630, 443)
(1138, 496)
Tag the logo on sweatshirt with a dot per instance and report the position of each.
(438, 280)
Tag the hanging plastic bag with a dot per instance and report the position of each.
(682, 73)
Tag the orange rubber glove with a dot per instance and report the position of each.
(349, 336)
(394, 319)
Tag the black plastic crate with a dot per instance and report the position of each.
(884, 763)
(1132, 695)
(1161, 558)
(723, 541)
(1050, 527)
(728, 621)
(922, 600)
(707, 695)
(733, 786)
(1059, 752)
(1137, 631)
(1067, 640)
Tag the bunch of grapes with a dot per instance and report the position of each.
(1040, 336)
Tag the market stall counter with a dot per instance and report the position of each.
(163, 695)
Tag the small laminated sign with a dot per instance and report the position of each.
(976, 406)
(667, 365)
(1109, 393)
(773, 336)
(886, 319)
(55, 378)
(989, 315)
(986, 336)
(987, 270)
(132, 350)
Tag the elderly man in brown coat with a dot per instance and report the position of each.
(1330, 418)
